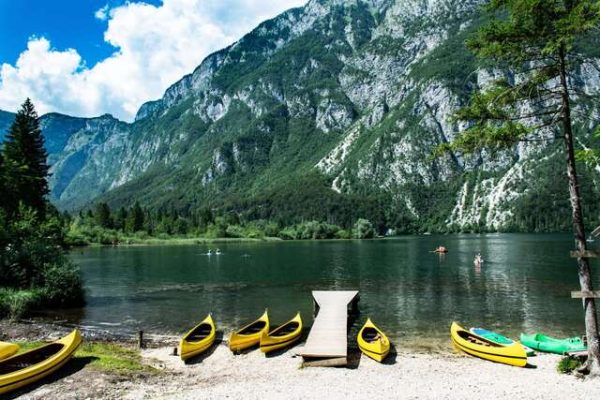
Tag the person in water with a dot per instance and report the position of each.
(441, 249)
(478, 259)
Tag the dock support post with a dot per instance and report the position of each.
(141, 340)
(354, 305)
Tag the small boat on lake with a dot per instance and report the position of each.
(199, 339)
(249, 335)
(373, 342)
(478, 346)
(498, 338)
(283, 336)
(441, 250)
(541, 342)
(33, 365)
(7, 349)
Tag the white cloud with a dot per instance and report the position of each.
(156, 46)
(102, 13)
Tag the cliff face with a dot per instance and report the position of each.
(359, 91)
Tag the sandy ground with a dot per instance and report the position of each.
(404, 376)
(222, 375)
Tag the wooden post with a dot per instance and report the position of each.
(174, 351)
(354, 305)
(141, 340)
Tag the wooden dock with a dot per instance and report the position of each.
(327, 343)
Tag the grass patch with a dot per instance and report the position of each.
(113, 358)
(568, 364)
(106, 357)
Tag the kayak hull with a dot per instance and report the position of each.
(549, 344)
(480, 347)
(249, 335)
(280, 338)
(377, 349)
(57, 355)
(198, 339)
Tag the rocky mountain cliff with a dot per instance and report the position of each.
(330, 107)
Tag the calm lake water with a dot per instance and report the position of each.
(524, 284)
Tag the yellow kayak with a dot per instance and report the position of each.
(373, 342)
(283, 336)
(199, 339)
(33, 365)
(250, 334)
(475, 345)
(7, 349)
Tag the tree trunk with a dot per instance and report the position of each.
(585, 275)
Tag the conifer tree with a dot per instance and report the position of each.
(537, 41)
(25, 161)
(102, 215)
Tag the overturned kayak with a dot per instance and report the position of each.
(33, 365)
(7, 349)
(373, 342)
(283, 336)
(498, 338)
(549, 344)
(199, 339)
(478, 346)
(250, 334)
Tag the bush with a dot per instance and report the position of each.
(18, 303)
(363, 229)
(568, 364)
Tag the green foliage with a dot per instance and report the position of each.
(536, 40)
(568, 364)
(24, 159)
(102, 215)
(135, 219)
(113, 358)
(17, 303)
(34, 271)
(363, 229)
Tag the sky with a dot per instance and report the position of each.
(91, 57)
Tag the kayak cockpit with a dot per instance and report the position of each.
(29, 358)
(253, 328)
(285, 329)
(199, 333)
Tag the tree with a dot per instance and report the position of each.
(121, 218)
(135, 219)
(102, 215)
(363, 229)
(537, 40)
(25, 161)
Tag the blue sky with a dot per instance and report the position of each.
(90, 57)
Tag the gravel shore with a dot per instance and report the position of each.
(220, 374)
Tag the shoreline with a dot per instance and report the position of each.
(405, 374)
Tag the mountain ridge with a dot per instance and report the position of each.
(345, 98)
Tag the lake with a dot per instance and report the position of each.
(524, 284)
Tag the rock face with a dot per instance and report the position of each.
(359, 91)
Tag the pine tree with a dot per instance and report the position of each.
(102, 215)
(135, 219)
(537, 40)
(25, 162)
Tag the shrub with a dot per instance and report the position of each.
(568, 364)
(363, 229)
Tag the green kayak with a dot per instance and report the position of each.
(549, 344)
(498, 338)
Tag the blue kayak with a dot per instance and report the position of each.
(498, 338)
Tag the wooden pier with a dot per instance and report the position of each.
(327, 343)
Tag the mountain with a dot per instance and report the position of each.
(328, 111)
(6, 119)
